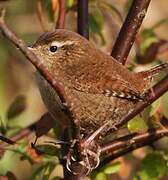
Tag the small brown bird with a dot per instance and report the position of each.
(98, 88)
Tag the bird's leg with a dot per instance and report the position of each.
(152, 91)
(95, 135)
(76, 166)
(90, 153)
(90, 160)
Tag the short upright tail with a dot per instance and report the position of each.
(154, 71)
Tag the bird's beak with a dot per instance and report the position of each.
(30, 48)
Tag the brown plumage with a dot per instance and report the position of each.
(98, 88)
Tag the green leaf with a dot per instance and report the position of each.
(48, 6)
(38, 173)
(96, 23)
(48, 149)
(70, 3)
(155, 106)
(153, 167)
(165, 104)
(48, 170)
(8, 162)
(106, 170)
(101, 176)
(3, 128)
(98, 17)
(21, 149)
(137, 124)
(149, 38)
(146, 113)
(43, 172)
(95, 26)
(17, 107)
(112, 168)
(148, 33)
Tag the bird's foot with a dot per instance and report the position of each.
(90, 159)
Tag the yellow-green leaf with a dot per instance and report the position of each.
(112, 168)
(155, 106)
(137, 124)
(165, 104)
(101, 176)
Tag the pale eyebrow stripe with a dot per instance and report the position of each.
(60, 44)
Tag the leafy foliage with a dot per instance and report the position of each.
(17, 107)
(137, 124)
(153, 167)
(106, 171)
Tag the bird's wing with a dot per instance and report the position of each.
(103, 75)
(110, 86)
(106, 77)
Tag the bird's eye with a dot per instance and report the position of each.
(53, 49)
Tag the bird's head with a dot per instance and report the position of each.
(61, 49)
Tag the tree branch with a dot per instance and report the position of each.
(83, 23)
(129, 30)
(40, 14)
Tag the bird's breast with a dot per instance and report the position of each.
(51, 100)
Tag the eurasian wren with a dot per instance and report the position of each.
(98, 88)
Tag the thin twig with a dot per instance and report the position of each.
(133, 139)
(39, 12)
(83, 23)
(61, 15)
(129, 30)
(20, 135)
(6, 140)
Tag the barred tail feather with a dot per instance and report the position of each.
(154, 71)
(148, 75)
